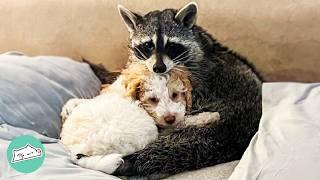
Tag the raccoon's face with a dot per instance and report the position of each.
(162, 39)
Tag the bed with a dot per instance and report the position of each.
(285, 147)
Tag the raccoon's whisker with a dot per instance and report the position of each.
(178, 69)
(192, 68)
(179, 66)
(180, 55)
(190, 61)
(137, 55)
(177, 63)
(144, 56)
(184, 57)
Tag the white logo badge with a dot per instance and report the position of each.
(25, 153)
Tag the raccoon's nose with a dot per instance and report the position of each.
(159, 68)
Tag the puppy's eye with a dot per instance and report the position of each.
(174, 95)
(154, 100)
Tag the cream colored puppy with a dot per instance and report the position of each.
(123, 119)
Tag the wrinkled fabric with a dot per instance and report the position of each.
(287, 144)
(56, 165)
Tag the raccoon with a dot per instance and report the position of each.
(222, 81)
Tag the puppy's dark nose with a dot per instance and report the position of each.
(170, 119)
(159, 68)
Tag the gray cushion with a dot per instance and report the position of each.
(34, 89)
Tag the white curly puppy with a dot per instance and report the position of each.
(123, 119)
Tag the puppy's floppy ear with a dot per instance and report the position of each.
(187, 84)
(133, 88)
(134, 79)
(187, 15)
(188, 96)
(129, 18)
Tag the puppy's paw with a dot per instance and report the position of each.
(105, 163)
(205, 118)
(111, 162)
(68, 107)
(210, 117)
(79, 156)
(76, 157)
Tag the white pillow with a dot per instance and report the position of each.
(287, 145)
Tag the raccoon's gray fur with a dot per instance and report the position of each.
(222, 80)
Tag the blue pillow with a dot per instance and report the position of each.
(33, 90)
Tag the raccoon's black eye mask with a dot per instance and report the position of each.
(176, 51)
(173, 50)
(144, 50)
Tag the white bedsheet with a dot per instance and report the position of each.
(287, 145)
(57, 164)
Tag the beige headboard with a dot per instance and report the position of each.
(282, 38)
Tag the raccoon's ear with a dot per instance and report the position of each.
(188, 14)
(128, 17)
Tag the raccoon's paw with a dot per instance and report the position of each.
(69, 106)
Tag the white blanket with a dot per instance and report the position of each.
(57, 164)
(287, 145)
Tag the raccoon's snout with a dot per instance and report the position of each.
(159, 67)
